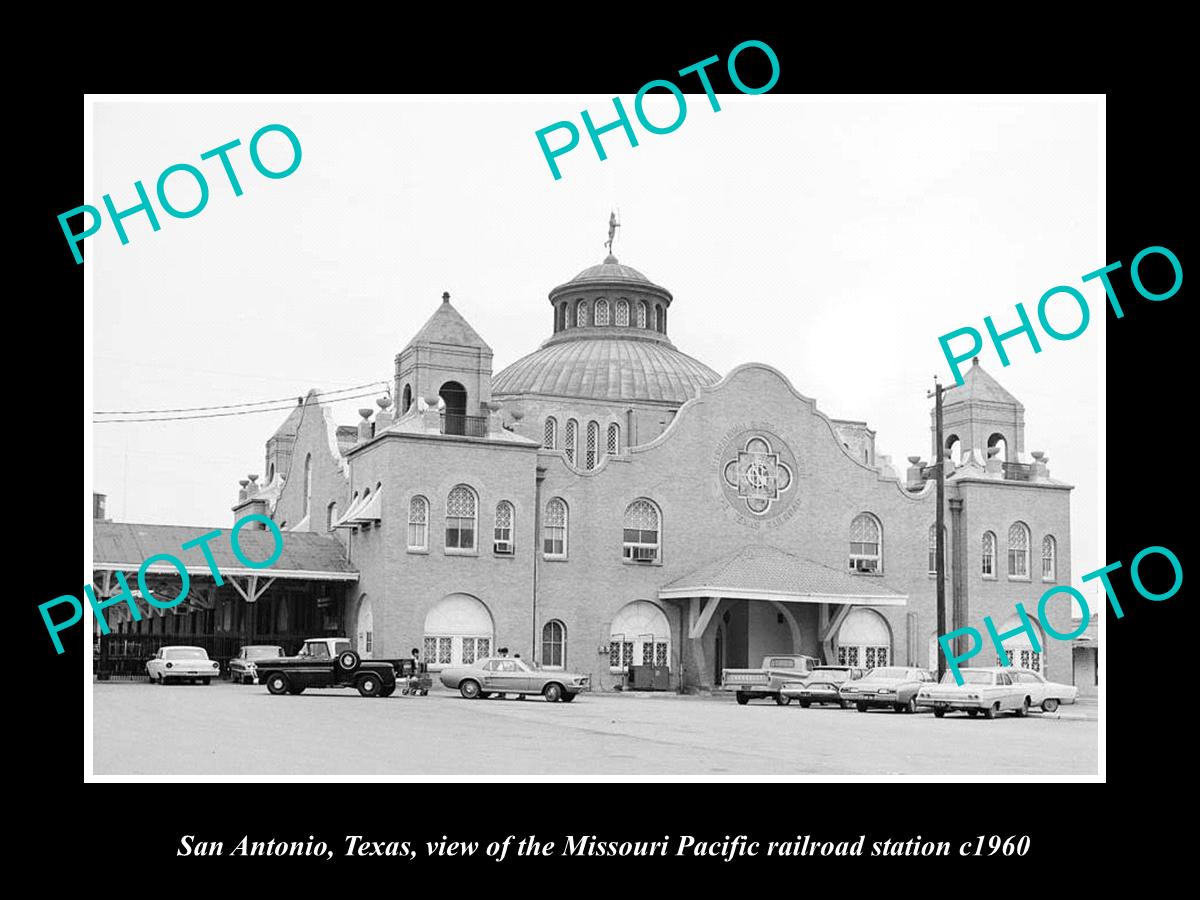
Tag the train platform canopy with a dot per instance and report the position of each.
(768, 573)
(123, 546)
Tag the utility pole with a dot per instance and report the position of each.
(940, 546)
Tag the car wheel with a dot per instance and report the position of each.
(939, 713)
(990, 712)
(972, 713)
(844, 704)
(911, 705)
(567, 698)
(898, 707)
(277, 683)
(469, 689)
(206, 681)
(388, 691)
(369, 685)
(861, 707)
(296, 690)
(782, 700)
(348, 661)
(805, 704)
(742, 699)
(552, 692)
(424, 692)
(1023, 710)
(1049, 705)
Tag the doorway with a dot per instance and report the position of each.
(454, 396)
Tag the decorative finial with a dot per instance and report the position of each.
(613, 225)
(445, 296)
(974, 360)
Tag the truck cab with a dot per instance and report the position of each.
(768, 679)
(323, 648)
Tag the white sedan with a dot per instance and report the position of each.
(986, 691)
(182, 664)
(1046, 694)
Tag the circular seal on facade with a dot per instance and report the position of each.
(757, 471)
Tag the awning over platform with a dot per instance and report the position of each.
(767, 573)
(122, 547)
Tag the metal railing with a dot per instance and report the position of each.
(468, 426)
(1018, 471)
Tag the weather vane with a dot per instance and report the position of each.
(613, 225)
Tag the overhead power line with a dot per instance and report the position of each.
(186, 409)
(217, 415)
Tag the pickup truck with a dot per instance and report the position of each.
(768, 680)
(330, 663)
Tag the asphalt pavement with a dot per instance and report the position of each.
(227, 729)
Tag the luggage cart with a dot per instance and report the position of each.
(418, 682)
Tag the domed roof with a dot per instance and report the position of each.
(610, 270)
(606, 369)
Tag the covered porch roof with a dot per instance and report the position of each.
(768, 573)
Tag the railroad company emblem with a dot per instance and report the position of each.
(758, 473)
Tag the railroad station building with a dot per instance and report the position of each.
(609, 501)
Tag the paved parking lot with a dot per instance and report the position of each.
(232, 729)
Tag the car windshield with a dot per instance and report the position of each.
(885, 672)
(184, 653)
(968, 677)
(263, 652)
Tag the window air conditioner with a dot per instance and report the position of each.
(645, 554)
(503, 548)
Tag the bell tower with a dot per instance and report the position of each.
(980, 414)
(447, 359)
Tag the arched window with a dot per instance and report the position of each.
(614, 439)
(602, 312)
(866, 544)
(554, 645)
(623, 312)
(1018, 550)
(330, 516)
(307, 484)
(550, 433)
(641, 314)
(503, 538)
(460, 520)
(458, 631)
(933, 550)
(593, 445)
(988, 559)
(270, 473)
(418, 523)
(406, 399)
(571, 440)
(1049, 558)
(998, 442)
(642, 537)
(864, 639)
(954, 449)
(581, 313)
(554, 529)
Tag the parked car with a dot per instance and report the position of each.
(1046, 694)
(987, 691)
(887, 686)
(822, 686)
(329, 662)
(767, 680)
(242, 667)
(182, 664)
(502, 675)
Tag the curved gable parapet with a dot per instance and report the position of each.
(705, 392)
(331, 436)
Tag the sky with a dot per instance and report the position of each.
(834, 239)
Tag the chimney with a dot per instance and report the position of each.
(98, 504)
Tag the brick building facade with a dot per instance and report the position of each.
(608, 500)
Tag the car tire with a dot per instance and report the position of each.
(805, 704)
(568, 697)
(972, 713)
(1023, 710)
(388, 691)
(861, 707)
(742, 699)
(368, 685)
(1049, 705)
(277, 683)
(296, 689)
(990, 712)
(844, 704)
(206, 681)
(911, 706)
(470, 689)
(782, 700)
(348, 661)
(898, 707)
(939, 713)
(552, 692)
